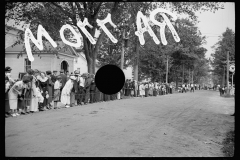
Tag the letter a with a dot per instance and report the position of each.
(28, 35)
(147, 28)
(163, 25)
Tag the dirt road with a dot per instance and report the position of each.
(177, 125)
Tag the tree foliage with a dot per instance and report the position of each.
(226, 43)
(52, 15)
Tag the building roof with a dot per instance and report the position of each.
(48, 48)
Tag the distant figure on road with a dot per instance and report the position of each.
(220, 90)
(183, 88)
(192, 87)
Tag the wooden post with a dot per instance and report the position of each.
(122, 53)
(227, 73)
(167, 70)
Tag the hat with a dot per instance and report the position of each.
(30, 71)
(27, 79)
(36, 71)
(55, 71)
(48, 72)
(7, 69)
(59, 77)
(72, 77)
(76, 72)
(62, 71)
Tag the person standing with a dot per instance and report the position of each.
(57, 94)
(87, 89)
(135, 88)
(171, 88)
(132, 88)
(141, 90)
(8, 74)
(192, 87)
(15, 91)
(92, 90)
(43, 86)
(34, 100)
(146, 87)
(50, 89)
(74, 91)
(65, 95)
(81, 90)
(7, 88)
(64, 80)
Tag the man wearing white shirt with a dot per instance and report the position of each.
(81, 82)
(192, 87)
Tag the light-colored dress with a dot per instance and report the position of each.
(65, 96)
(142, 90)
(13, 95)
(34, 98)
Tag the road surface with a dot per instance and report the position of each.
(177, 125)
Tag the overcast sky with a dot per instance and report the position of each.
(213, 25)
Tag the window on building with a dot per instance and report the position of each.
(27, 64)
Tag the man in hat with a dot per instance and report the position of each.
(80, 86)
(74, 90)
(87, 88)
(54, 76)
(8, 74)
(64, 79)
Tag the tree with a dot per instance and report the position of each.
(226, 43)
(53, 15)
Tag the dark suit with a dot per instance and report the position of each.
(64, 80)
(74, 90)
(92, 92)
(87, 89)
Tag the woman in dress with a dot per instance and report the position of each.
(7, 87)
(50, 90)
(34, 103)
(28, 93)
(65, 95)
(43, 86)
(15, 91)
(142, 90)
(57, 86)
(146, 89)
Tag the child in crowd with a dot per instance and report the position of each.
(57, 86)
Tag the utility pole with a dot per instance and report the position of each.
(223, 80)
(167, 70)
(183, 75)
(192, 77)
(122, 53)
(227, 73)
(232, 78)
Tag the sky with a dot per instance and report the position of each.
(213, 25)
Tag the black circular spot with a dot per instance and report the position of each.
(109, 79)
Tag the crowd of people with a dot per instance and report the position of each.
(188, 87)
(40, 91)
(223, 90)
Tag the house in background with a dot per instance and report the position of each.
(67, 58)
(47, 59)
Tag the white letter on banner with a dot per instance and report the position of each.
(102, 23)
(78, 44)
(147, 28)
(163, 25)
(82, 25)
(38, 42)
